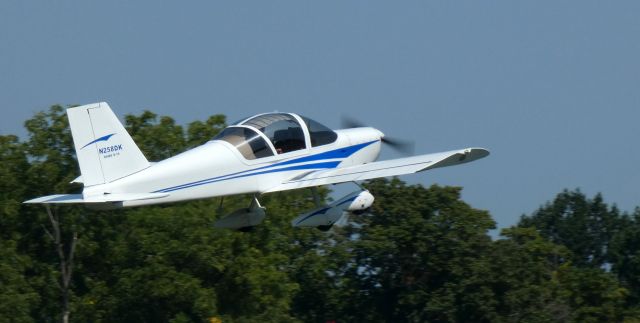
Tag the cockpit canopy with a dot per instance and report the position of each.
(275, 133)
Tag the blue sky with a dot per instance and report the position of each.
(552, 88)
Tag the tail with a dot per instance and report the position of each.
(104, 149)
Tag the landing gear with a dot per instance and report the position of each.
(324, 228)
(324, 216)
(247, 229)
(243, 219)
(319, 205)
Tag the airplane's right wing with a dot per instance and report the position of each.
(384, 168)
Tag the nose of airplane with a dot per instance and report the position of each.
(354, 136)
(365, 134)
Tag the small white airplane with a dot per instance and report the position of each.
(265, 153)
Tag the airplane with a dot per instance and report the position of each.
(265, 153)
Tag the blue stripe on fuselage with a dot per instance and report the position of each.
(332, 154)
(224, 178)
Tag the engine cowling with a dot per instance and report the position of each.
(324, 217)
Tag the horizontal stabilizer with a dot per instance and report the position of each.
(107, 198)
(57, 199)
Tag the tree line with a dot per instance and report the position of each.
(420, 254)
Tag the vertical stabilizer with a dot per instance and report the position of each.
(104, 149)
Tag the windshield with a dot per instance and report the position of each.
(320, 134)
(247, 141)
(282, 129)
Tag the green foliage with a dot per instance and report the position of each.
(534, 284)
(585, 226)
(200, 132)
(523, 267)
(12, 187)
(591, 294)
(625, 255)
(157, 139)
(160, 139)
(420, 254)
(598, 236)
(17, 298)
(51, 151)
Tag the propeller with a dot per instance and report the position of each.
(349, 122)
(405, 147)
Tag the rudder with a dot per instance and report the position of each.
(105, 151)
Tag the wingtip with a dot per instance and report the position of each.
(478, 152)
(471, 154)
(484, 152)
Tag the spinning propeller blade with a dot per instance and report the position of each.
(405, 147)
(348, 122)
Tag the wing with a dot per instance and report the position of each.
(384, 168)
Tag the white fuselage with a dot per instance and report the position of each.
(217, 168)
(268, 152)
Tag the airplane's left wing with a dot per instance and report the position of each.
(386, 168)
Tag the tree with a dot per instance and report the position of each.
(200, 132)
(18, 299)
(522, 269)
(531, 285)
(585, 226)
(161, 259)
(157, 139)
(625, 255)
(12, 185)
(419, 256)
(46, 163)
(591, 294)
(52, 166)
